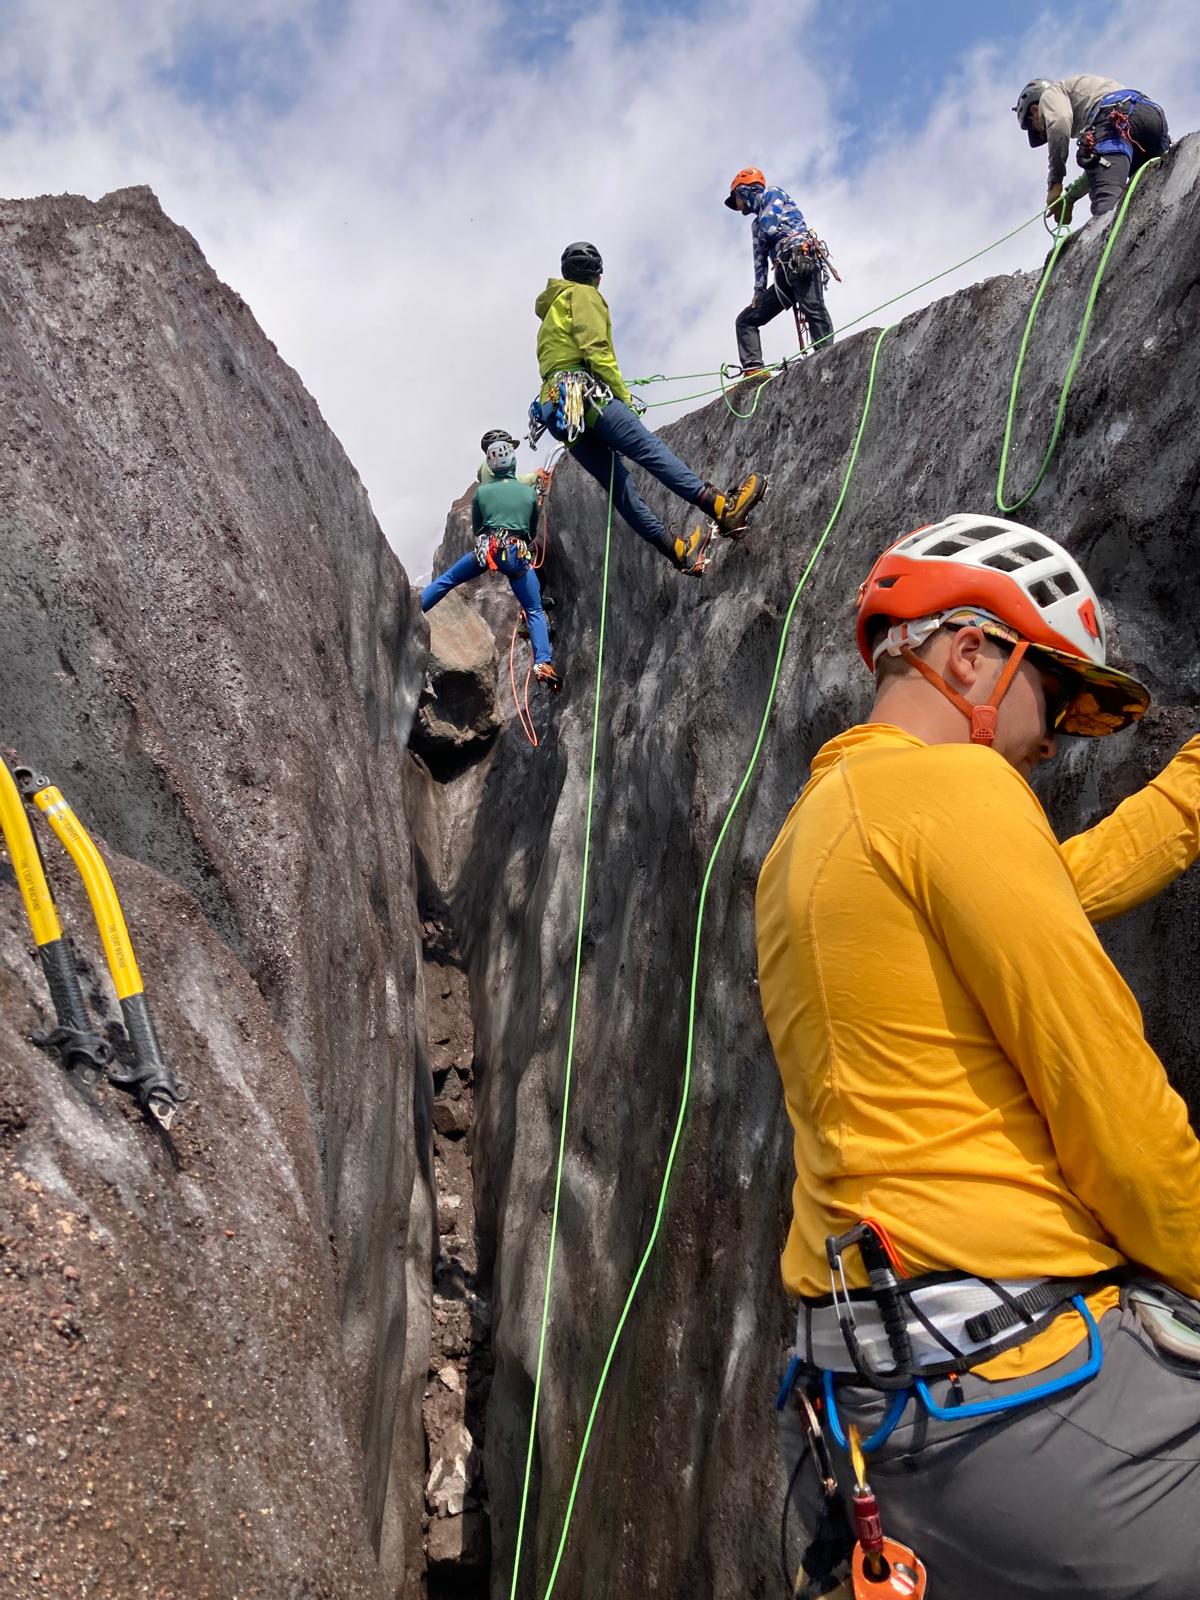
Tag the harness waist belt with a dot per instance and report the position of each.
(953, 1323)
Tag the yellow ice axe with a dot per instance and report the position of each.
(150, 1080)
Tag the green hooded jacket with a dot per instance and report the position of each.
(576, 332)
(504, 505)
(486, 475)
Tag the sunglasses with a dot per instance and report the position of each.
(1058, 697)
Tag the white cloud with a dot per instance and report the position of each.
(389, 187)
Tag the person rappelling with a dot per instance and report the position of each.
(993, 1241)
(781, 239)
(504, 522)
(1118, 131)
(585, 403)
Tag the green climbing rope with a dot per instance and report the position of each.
(566, 1095)
(1060, 239)
(760, 382)
(681, 1118)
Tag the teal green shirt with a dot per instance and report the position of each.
(505, 506)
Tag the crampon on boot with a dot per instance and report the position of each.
(689, 551)
(544, 673)
(731, 510)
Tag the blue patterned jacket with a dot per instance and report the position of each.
(779, 218)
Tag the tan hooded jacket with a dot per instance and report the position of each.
(1066, 108)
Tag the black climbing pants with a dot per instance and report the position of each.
(802, 288)
(1107, 175)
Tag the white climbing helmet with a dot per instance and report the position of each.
(500, 454)
(1013, 582)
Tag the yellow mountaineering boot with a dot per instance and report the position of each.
(689, 551)
(731, 510)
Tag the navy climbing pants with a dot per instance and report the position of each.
(1109, 172)
(523, 580)
(616, 432)
(1092, 1493)
(802, 288)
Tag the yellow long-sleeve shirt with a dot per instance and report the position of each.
(960, 1058)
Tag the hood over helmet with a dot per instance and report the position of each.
(501, 457)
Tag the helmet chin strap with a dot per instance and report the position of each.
(982, 717)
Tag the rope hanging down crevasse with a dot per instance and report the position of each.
(677, 1133)
(681, 1118)
(568, 1072)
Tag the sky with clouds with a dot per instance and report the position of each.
(388, 183)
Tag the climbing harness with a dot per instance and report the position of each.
(693, 995)
(803, 252)
(1109, 130)
(799, 255)
(151, 1082)
(573, 393)
(1061, 237)
(902, 1331)
(895, 1337)
(492, 545)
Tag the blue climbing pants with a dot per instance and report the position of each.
(522, 579)
(616, 432)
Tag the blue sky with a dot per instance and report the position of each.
(892, 54)
(389, 185)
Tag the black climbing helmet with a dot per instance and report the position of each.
(1026, 100)
(581, 262)
(496, 436)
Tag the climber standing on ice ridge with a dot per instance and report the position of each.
(504, 520)
(782, 239)
(586, 404)
(1118, 130)
(992, 1170)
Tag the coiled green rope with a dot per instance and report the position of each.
(1060, 238)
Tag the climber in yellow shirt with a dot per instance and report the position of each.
(964, 1067)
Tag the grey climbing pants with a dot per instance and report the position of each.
(1107, 178)
(1091, 1495)
(803, 289)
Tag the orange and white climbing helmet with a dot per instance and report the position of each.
(1016, 585)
